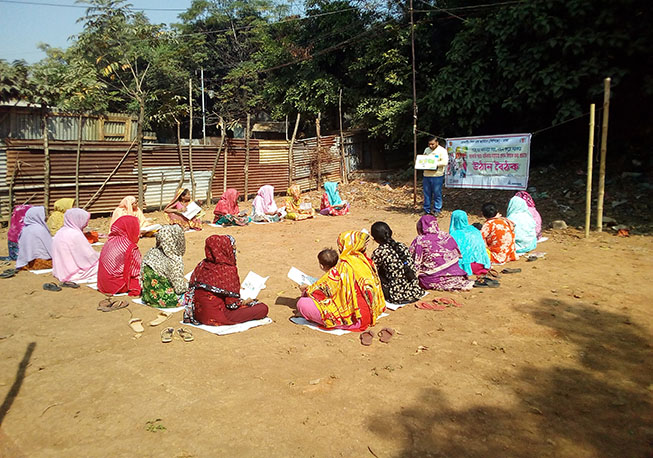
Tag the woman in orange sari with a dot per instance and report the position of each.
(349, 295)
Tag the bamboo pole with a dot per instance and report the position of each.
(412, 48)
(226, 150)
(113, 172)
(46, 162)
(190, 138)
(247, 158)
(590, 158)
(139, 153)
(80, 124)
(181, 156)
(209, 192)
(344, 176)
(604, 150)
(319, 145)
(290, 151)
(161, 194)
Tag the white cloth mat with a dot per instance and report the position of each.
(138, 300)
(42, 271)
(393, 307)
(542, 239)
(300, 320)
(230, 329)
(88, 280)
(215, 225)
(97, 244)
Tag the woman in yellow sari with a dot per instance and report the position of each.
(348, 296)
(128, 207)
(293, 205)
(55, 220)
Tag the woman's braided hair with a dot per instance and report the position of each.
(382, 234)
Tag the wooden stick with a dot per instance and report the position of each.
(113, 172)
(226, 150)
(291, 159)
(181, 156)
(190, 138)
(209, 192)
(604, 150)
(319, 162)
(344, 176)
(46, 162)
(590, 158)
(161, 194)
(80, 124)
(247, 159)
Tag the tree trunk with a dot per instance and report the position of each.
(344, 176)
(46, 161)
(139, 149)
(190, 138)
(80, 125)
(181, 156)
(291, 164)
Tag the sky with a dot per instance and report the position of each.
(24, 24)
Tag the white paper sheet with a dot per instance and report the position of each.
(252, 285)
(41, 271)
(150, 228)
(300, 277)
(167, 310)
(97, 244)
(192, 209)
(230, 329)
(215, 225)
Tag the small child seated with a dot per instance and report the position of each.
(327, 258)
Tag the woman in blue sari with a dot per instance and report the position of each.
(525, 227)
(475, 258)
(331, 203)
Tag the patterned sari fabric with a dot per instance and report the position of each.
(532, 210)
(396, 287)
(436, 257)
(499, 236)
(213, 297)
(331, 203)
(335, 292)
(126, 207)
(55, 221)
(35, 241)
(162, 272)
(293, 203)
(15, 228)
(120, 261)
(470, 242)
(525, 232)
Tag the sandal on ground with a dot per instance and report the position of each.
(166, 335)
(185, 334)
(110, 304)
(160, 318)
(531, 258)
(69, 284)
(136, 324)
(51, 287)
(386, 334)
(448, 302)
(486, 283)
(366, 338)
(493, 273)
(430, 305)
(8, 273)
(509, 270)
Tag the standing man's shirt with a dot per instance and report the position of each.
(443, 160)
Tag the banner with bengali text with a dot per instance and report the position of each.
(489, 162)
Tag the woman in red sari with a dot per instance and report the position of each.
(119, 266)
(214, 289)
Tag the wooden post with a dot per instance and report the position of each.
(80, 124)
(604, 150)
(247, 158)
(11, 186)
(181, 155)
(190, 138)
(412, 47)
(291, 159)
(344, 176)
(46, 161)
(113, 172)
(161, 194)
(319, 145)
(226, 150)
(590, 158)
(286, 128)
(139, 154)
(209, 192)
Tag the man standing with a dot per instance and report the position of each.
(433, 179)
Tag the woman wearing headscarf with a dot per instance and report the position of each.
(395, 266)
(436, 256)
(162, 269)
(55, 221)
(475, 258)
(499, 235)
(128, 206)
(532, 210)
(331, 203)
(35, 242)
(227, 212)
(525, 232)
(214, 289)
(349, 295)
(120, 261)
(15, 228)
(264, 208)
(177, 207)
(73, 258)
(293, 205)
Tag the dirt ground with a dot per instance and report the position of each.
(555, 362)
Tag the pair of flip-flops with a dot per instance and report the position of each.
(385, 334)
(185, 334)
(8, 273)
(55, 287)
(439, 304)
(110, 304)
(486, 282)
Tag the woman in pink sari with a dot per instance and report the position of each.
(532, 210)
(73, 258)
(436, 257)
(15, 228)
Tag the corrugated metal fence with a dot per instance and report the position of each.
(268, 164)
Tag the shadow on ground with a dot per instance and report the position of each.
(596, 403)
(18, 382)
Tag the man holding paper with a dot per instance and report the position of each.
(433, 179)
